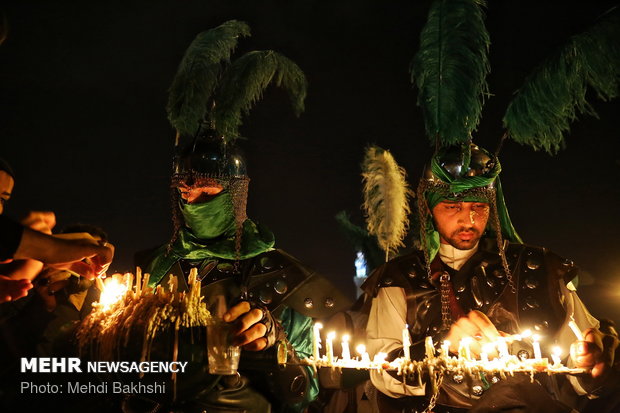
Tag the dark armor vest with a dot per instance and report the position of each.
(481, 284)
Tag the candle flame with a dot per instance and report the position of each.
(557, 351)
(113, 291)
(536, 337)
(526, 333)
(488, 348)
(346, 338)
(361, 348)
(331, 335)
(380, 357)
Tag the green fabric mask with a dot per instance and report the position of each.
(189, 245)
(210, 219)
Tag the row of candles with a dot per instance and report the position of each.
(464, 351)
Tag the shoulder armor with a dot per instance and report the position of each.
(538, 273)
(278, 278)
(406, 271)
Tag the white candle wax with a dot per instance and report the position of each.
(329, 347)
(556, 352)
(536, 345)
(464, 350)
(445, 348)
(346, 353)
(486, 349)
(502, 348)
(406, 343)
(316, 340)
(573, 326)
(430, 347)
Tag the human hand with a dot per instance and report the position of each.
(595, 352)
(42, 221)
(11, 290)
(95, 258)
(249, 331)
(477, 326)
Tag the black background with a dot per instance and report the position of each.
(83, 86)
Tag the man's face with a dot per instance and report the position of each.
(6, 189)
(460, 224)
(200, 190)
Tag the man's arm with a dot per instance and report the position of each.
(386, 321)
(66, 251)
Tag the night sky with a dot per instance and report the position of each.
(83, 87)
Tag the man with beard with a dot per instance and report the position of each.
(468, 282)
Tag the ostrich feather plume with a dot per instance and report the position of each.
(198, 74)
(242, 85)
(450, 70)
(386, 203)
(556, 93)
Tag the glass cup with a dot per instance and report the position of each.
(223, 356)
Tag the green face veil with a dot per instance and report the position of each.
(211, 232)
(210, 219)
(465, 174)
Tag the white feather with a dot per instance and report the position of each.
(386, 203)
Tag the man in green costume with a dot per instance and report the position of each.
(269, 296)
(475, 278)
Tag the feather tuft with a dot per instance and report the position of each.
(198, 75)
(555, 94)
(450, 70)
(244, 82)
(386, 203)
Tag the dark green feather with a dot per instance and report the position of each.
(243, 83)
(450, 70)
(555, 94)
(198, 75)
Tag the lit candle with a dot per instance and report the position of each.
(430, 348)
(329, 347)
(316, 340)
(445, 348)
(526, 333)
(406, 343)
(464, 350)
(556, 352)
(486, 349)
(502, 348)
(346, 354)
(361, 349)
(576, 330)
(536, 345)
